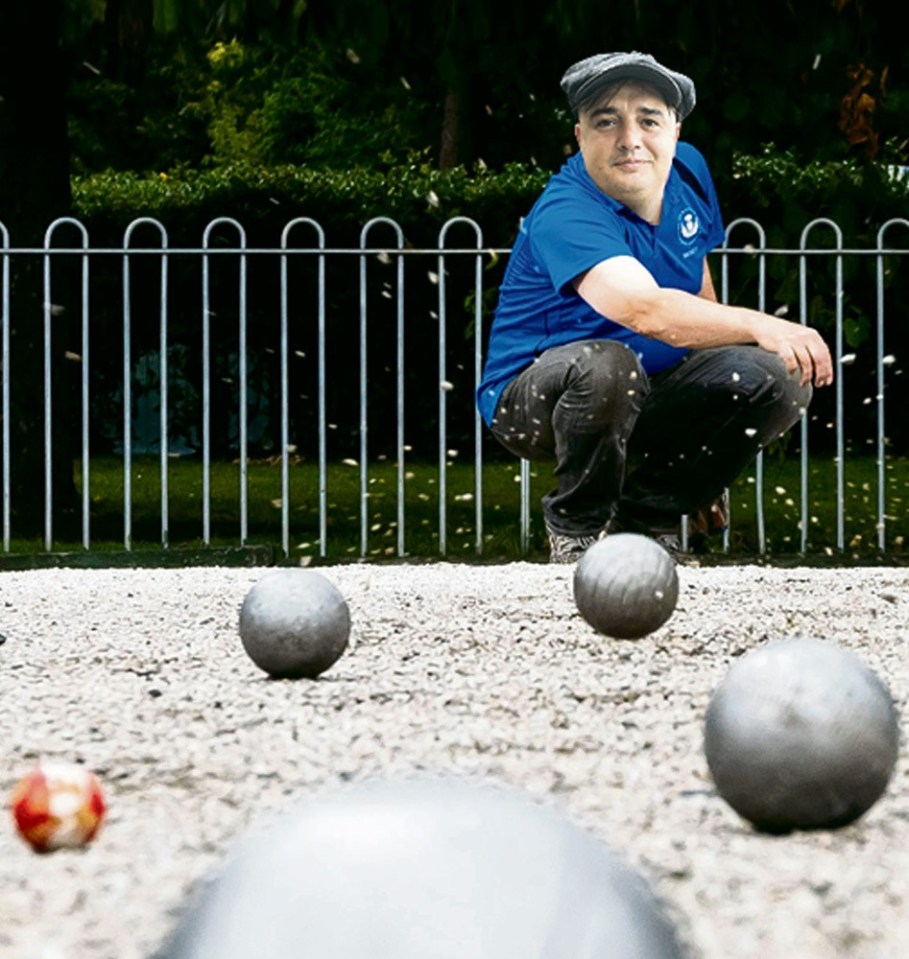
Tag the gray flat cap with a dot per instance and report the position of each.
(585, 79)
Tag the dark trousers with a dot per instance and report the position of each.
(636, 451)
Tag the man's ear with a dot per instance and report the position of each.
(577, 133)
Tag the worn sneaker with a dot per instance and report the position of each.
(672, 543)
(568, 549)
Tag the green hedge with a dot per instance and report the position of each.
(772, 187)
(342, 201)
(785, 194)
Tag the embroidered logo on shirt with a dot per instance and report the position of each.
(689, 226)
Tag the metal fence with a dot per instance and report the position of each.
(744, 263)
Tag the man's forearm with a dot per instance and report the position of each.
(622, 290)
(683, 319)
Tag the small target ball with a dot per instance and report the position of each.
(57, 806)
(414, 870)
(801, 734)
(294, 623)
(626, 585)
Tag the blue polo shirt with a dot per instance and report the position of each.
(572, 227)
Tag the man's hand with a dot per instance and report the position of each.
(801, 348)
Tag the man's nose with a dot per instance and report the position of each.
(629, 137)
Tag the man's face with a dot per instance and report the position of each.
(627, 138)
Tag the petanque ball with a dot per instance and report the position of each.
(294, 623)
(409, 870)
(626, 585)
(801, 734)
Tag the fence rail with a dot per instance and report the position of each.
(830, 277)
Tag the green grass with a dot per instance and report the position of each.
(501, 536)
(783, 513)
(343, 513)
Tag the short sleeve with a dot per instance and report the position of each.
(571, 235)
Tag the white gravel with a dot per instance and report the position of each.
(485, 671)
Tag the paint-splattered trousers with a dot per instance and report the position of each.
(638, 451)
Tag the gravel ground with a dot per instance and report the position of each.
(485, 671)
